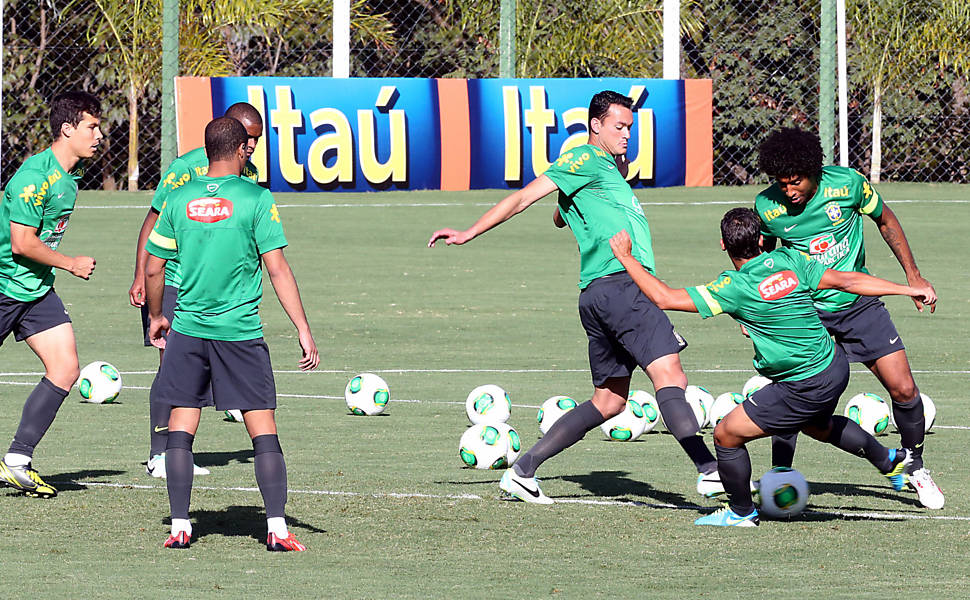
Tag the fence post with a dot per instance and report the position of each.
(826, 83)
(341, 39)
(170, 69)
(843, 89)
(506, 39)
(671, 29)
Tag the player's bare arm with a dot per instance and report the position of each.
(24, 242)
(867, 285)
(504, 210)
(664, 296)
(158, 325)
(892, 231)
(557, 219)
(136, 294)
(284, 282)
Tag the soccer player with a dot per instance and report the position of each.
(770, 294)
(625, 330)
(182, 170)
(818, 211)
(221, 227)
(37, 205)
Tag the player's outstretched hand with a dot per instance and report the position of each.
(157, 330)
(450, 236)
(82, 266)
(621, 244)
(311, 358)
(922, 285)
(136, 294)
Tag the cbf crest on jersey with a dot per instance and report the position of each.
(834, 212)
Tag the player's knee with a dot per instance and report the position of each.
(904, 392)
(724, 438)
(64, 375)
(613, 407)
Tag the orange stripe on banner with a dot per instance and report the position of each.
(699, 129)
(455, 134)
(193, 111)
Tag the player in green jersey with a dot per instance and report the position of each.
(37, 204)
(624, 329)
(819, 211)
(770, 294)
(183, 169)
(222, 228)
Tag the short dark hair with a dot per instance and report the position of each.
(69, 107)
(599, 104)
(223, 136)
(740, 229)
(790, 151)
(244, 110)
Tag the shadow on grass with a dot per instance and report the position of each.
(221, 459)
(905, 501)
(74, 480)
(239, 521)
(617, 485)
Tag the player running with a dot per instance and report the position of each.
(220, 227)
(818, 211)
(37, 205)
(182, 170)
(770, 294)
(624, 328)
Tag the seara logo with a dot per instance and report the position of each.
(778, 285)
(209, 210)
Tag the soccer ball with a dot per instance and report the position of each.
(700, 401)
(870, 411)
(753, 385)
(724, 404)
(514, 442)
(929, 413)
(99, 383)
(626, 426)
(552, 409)
(483, 446)
(651, 410)
(367, 394)
(488, 404)
(233, 415)
(784, 493)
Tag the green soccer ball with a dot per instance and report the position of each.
(99, 383)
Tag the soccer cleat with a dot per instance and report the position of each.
(156, 467)
(287, 544)
(197, 470)
(525, 489)
(709, 485)
(25, 479)
(726, 517)
(180, 540)
(900, 458)
(930, 495)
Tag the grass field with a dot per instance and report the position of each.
(382, 502)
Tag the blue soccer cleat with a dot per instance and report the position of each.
(900, 459)
(726, 517)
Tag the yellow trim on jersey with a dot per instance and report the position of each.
(709, 299)
(161, 241)
(871, 205)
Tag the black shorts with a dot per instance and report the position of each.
(25, 319)
(240, 374)
(625, 329)
(788, 406)
(168, 310)
(864, 330)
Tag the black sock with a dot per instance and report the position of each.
(158, 414)
(569, 429)
(179, 471)
(680, 421)
(911, 425)
(38, 414)
(270, 473)
(848, 436)
(734, 466)
(783, 449)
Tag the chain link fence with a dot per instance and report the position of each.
(762, 55)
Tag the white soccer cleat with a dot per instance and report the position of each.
(525, 489)
(930, 494)
(709, 485)
(197, 470)
(156, 467)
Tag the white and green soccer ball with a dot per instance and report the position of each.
(724, 404)
(626, 426)
(651, 410)
(552, 409)
(488, 404)
(700, 401)
(753, 385)
(233, 415)
(514, 442)
(783, 492)
(870, 411)
(367, 394)
(929, 413)
(99, 383)
(485, 446)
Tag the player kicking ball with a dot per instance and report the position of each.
(37, 205)
(221, 228)
(770, 294)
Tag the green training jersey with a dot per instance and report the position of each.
(828, 227)
(217, 228)
(597, 203)
(183, 169)
(771, 295)
(40, 195)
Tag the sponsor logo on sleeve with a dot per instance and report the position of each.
(209, 210)
(778, 285)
